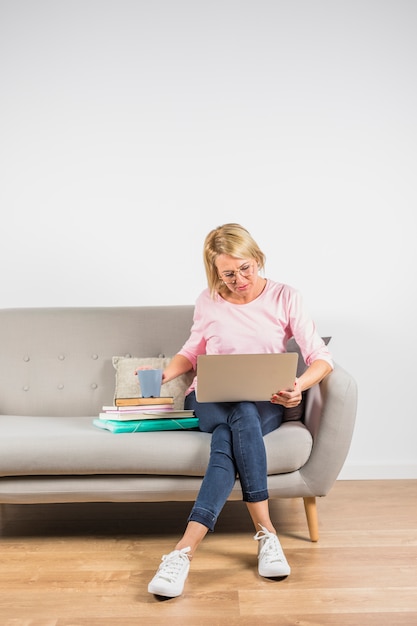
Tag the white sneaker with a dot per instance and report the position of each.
(271, 558)
(172, 573)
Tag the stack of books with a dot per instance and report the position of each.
(130, 415)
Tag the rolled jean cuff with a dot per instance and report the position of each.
(256, 496)
(203, 516)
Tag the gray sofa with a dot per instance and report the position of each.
(56, 373)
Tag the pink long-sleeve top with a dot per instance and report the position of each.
(263, 325)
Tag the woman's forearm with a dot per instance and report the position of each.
(178, 365)
(314, 374)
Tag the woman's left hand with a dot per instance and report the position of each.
(287, 397)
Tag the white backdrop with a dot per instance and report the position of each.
(130, 128)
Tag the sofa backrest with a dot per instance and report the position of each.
(58, 361)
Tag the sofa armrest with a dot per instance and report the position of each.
(330, 417)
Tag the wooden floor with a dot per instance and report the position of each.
(89, 565)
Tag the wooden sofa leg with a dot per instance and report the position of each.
(310, 507)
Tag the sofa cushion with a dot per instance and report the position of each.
(127, 383)
(72, 446)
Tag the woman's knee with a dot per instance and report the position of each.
(245, 415)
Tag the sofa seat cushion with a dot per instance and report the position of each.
(33, 446)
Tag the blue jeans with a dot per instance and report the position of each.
(237, 447)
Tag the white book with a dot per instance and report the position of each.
(144, 415)
(138, 409)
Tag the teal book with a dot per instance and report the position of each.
(146, 425)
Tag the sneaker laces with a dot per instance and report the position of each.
(172, 564)
(270, 548)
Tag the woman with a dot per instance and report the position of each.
(239, 312)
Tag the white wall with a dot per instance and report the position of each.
(130, 128)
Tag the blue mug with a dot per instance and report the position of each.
(150, 381)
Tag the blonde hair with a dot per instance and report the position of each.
(233, 240)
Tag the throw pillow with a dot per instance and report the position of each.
(127, 383)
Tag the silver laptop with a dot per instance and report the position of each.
(238, 377)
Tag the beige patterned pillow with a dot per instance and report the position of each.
(127, 383)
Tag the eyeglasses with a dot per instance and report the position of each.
(230, 277)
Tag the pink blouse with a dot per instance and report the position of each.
(263, 325)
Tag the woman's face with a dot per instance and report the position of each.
(239, 275)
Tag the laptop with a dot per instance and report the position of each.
(238, 377)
